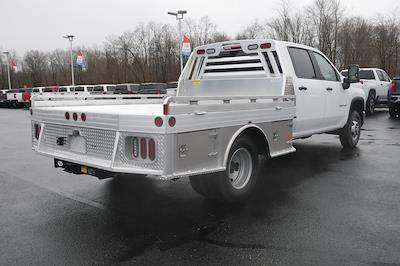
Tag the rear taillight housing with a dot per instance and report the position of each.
(143, 149)
(394, 86)
(37, 131)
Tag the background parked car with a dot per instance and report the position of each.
(376, 83)
(394, 98)
(153, 88)
(129, 88)
(3, 98)
(103, 89)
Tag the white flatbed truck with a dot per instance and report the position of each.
(235, 100)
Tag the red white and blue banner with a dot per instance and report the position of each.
(79, 58)
(186, 49)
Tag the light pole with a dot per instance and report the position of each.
(7, 54)
(71, 38)
(179, 17)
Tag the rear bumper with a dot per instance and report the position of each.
(394, 99)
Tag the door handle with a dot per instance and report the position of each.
(302, 88)
(200, 113)
(329, 89)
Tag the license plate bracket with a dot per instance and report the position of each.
(77, 143)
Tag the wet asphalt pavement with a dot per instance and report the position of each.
(319, 206)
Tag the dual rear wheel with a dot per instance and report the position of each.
(238, 181)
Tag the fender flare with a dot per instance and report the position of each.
(355, 99)
(234, 137)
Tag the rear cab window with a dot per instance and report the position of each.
(302, 63)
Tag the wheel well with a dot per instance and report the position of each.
(359, 106)
(258, 138)
(372, 90)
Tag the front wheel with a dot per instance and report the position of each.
(238, 181)
(351, 132)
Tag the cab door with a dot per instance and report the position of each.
(310, 96)
(331, 83)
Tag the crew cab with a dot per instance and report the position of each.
(14, 97)
(394, 98)
(376, 84)
(235, 100)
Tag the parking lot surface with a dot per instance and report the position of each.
(319, 206)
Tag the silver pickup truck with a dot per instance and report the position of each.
(235, 100)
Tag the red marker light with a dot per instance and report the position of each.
(201, 51)
(75, 116)
(172, 121)
(83, 117)
(67, 115)
(143, 148)
(158, 121)
(265, 45)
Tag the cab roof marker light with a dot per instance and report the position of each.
(252, 47)
(211, 51)
(201, 51)
(265, 45)
(232, 47)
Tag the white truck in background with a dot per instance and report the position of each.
(376, 84)
(235, 100)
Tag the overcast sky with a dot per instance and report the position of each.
(39, 24)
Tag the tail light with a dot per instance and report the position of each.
(37, 131)
(143, 148)
(158, 121)
(83, 117)
(67, 115)
(152, 149)
(201, 51)
(172, 121)
(75, 116)
(393, 86)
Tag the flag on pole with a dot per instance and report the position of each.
(79, 58)
(14, 66)
(186, 49)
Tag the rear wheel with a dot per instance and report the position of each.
(370, 106)
(392, 110)
(351, 132)
(238, 181)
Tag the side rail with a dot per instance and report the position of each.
(95, 99)
(202, 105)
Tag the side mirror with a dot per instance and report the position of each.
(353, 76)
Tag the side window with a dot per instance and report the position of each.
(386, 76)
(380, 75)
(327, 70)
(302, 63)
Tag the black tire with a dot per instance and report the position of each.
(351, 132)
(370, 105)
(392, 111)
(221, 186)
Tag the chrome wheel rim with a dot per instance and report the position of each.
(240, 168)
(355, 130)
